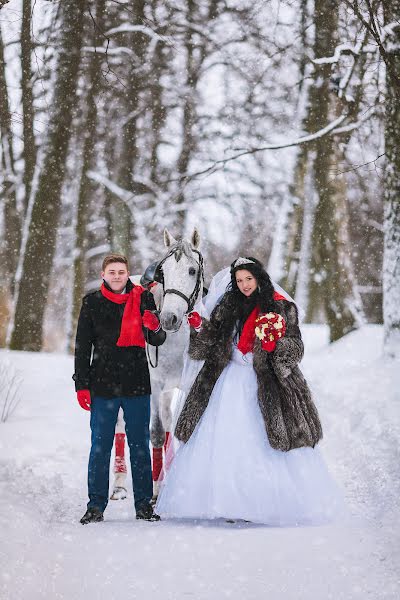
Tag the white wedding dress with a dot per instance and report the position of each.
(228, 469)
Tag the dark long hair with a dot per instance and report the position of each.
(263, 295)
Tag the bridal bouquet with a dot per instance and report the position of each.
(269, 328)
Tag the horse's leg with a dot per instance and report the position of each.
(166, 416)
(157, 437)
(119, 488)
(157, 472)
(157, 431)
(168, 451)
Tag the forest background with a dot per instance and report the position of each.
(272, 126)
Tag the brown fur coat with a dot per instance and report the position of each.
(290, 416)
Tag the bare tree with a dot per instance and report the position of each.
(92, 82)
(319, 267)
(391, 257)
(186, 111)
(41, 223)
(382, 21)
(29, 151)
(11, 237)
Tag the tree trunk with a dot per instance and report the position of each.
(391, 254)
(295, 220)
(123, 226)
(325, 284)
(332, 278)
(297, 248)
(29, 152)
(158, 110)
(41, 227)
(10, 245)
(89, 125)
(189, 116)
(307, 226)
(196, 53)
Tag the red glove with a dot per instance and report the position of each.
(268, 346)
(151, 321)
(194, 320)
(84, 399)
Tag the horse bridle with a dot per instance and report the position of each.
(159, 277)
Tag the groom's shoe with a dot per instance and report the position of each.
(146, 512)
(92, 515)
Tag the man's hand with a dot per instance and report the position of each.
(84, 399)
(194, 320)
(150, 320)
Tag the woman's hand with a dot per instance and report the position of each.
(194, 320)
(270, 327)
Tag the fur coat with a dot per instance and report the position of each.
(290, 416)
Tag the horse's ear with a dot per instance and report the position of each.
(195, 241)
(168, 239)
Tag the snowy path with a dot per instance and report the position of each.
(46, 553)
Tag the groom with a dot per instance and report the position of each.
(111, 371)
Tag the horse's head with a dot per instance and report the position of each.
(181, 273)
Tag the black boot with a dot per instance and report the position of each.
(146, 512)
(92, 515)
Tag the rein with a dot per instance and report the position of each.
(148, 353)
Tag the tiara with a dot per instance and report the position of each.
(243, 261)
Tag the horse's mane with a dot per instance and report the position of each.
(180, 247)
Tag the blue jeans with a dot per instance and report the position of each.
(103, 418)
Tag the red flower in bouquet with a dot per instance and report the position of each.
(270, 327)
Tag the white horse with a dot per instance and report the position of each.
(179, 279)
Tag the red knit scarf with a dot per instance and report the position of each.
(131, 333)
(247, 337)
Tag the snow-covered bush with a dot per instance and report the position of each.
(11, 380)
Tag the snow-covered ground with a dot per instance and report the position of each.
(46, 554)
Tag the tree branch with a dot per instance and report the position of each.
(329, 129)
(372, 28)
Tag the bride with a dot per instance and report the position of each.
(249, 426)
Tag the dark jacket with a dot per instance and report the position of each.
(290, 416)
(100, 365)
